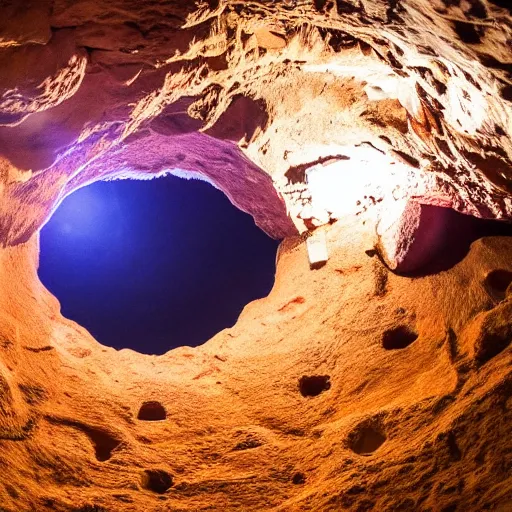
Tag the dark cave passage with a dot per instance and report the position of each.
(153, 265)
(444, 239)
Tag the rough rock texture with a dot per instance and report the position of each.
(350, 387)
(401, 99)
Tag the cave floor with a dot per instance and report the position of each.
(347, 388)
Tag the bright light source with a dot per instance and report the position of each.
(84, 213)
(360, 183)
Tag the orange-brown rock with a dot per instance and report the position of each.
(350, 387)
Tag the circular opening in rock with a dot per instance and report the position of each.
(496, 282)
(299, 478)
(152, 265)
(157, 480)
(152, 411)
(313, 385)
(367, 439)
(399, 337)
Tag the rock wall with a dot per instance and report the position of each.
(348, 388)
(351, 387)
(400, 100)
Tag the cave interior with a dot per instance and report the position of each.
(370, 142)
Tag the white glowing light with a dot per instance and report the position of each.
(467, 107)
(82, 214)
(368, 177)
(192, 175)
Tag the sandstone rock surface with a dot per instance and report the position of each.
(351, 387)
(348, 388)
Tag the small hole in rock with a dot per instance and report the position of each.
(156, 480)
(367, 439)
(496, 283)
(506, 92)
(499, 130)
(313, 385)
(152, 411)
(399, 337)
(104, 443)
(299, 479)
(248, 444)
(467, 32)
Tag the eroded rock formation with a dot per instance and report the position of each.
(349, 387)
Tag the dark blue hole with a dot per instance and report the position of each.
(152, 265)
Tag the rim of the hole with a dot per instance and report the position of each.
(108, 179)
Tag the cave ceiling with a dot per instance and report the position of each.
(300, 111)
